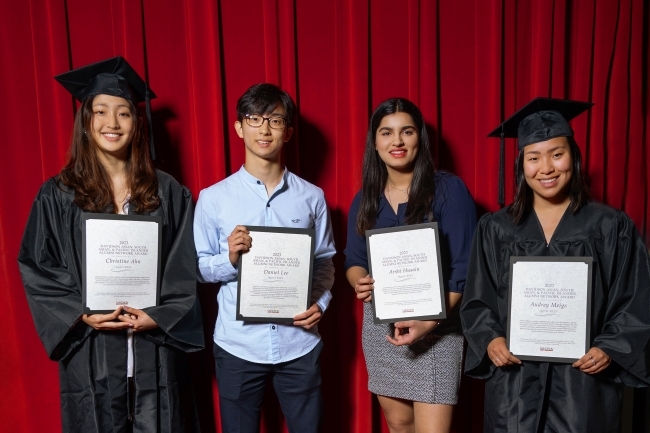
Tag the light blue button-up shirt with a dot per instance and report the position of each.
(241, 199)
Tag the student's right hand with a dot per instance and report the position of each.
(363, 288)
(499, 354)
(238, 242)
(106, 322)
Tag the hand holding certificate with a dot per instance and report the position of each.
(550, 308)
(405, 264)
(121, 261)
(274, 276)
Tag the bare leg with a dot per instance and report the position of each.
(399, 414)
(432, 418)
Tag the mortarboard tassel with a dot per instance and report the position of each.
(502, 162)
(152, 149)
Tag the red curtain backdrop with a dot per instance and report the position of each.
(466, 63)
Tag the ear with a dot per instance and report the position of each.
(288, 133)
(238, 129)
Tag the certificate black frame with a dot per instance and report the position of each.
(98, 216)
(589, 262)
(443, 304)
(278, 230)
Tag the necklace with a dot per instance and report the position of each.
(390, 185)
(390, 202)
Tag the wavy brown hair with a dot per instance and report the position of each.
(86, 176)
(578, 188)
(375, 174)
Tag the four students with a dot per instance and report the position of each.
(414, 366)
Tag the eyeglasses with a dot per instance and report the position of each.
(256, 121)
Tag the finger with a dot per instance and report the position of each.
(114, 325)
(239, 249)
(368, 299)
(365, 281)
(399, 340)
(241, 238)
(362, 295)
(126, 318)
(303, 315)
(597, 365)
(590, 365)
(132, 310)
(309, 321)
(361, 288)
(505, 357)
(405, 339)
(239, 229)
(405, 324)
(512, 359)
(587, 361)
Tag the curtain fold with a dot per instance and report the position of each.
(468, 65)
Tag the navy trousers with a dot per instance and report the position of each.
(241, 388)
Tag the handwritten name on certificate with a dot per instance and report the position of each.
(274, 279)
(121, 262)
(405, 264)
(550, 304)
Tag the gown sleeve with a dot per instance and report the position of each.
(626, 330)
(179, 314)
(52, 289)
(479, 310)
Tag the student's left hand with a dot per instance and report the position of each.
(309, 318)
(138, 318)
(416, 330)
(593, 362)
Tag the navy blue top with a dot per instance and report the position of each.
(453, 210)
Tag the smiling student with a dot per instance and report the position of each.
(125, 371)
(264, 193)
(553, 215)
(414, 366)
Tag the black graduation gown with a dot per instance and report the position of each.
(92, 364)
(550, 397)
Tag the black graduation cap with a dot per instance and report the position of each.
(113, 77)
(539, 120)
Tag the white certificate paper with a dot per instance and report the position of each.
(274, 276)
(405, 264)
(550, 305)
(120, 261)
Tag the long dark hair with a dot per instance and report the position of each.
(86, 176)
(375, 175)
(579, 192)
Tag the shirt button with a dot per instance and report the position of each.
(273, 327)
(259, 182)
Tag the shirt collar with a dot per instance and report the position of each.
(252, 180)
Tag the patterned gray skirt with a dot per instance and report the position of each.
(428, 371)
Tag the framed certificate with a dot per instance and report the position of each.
(549, 308)
(405, 264)
(274, 276)
(120, 261)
